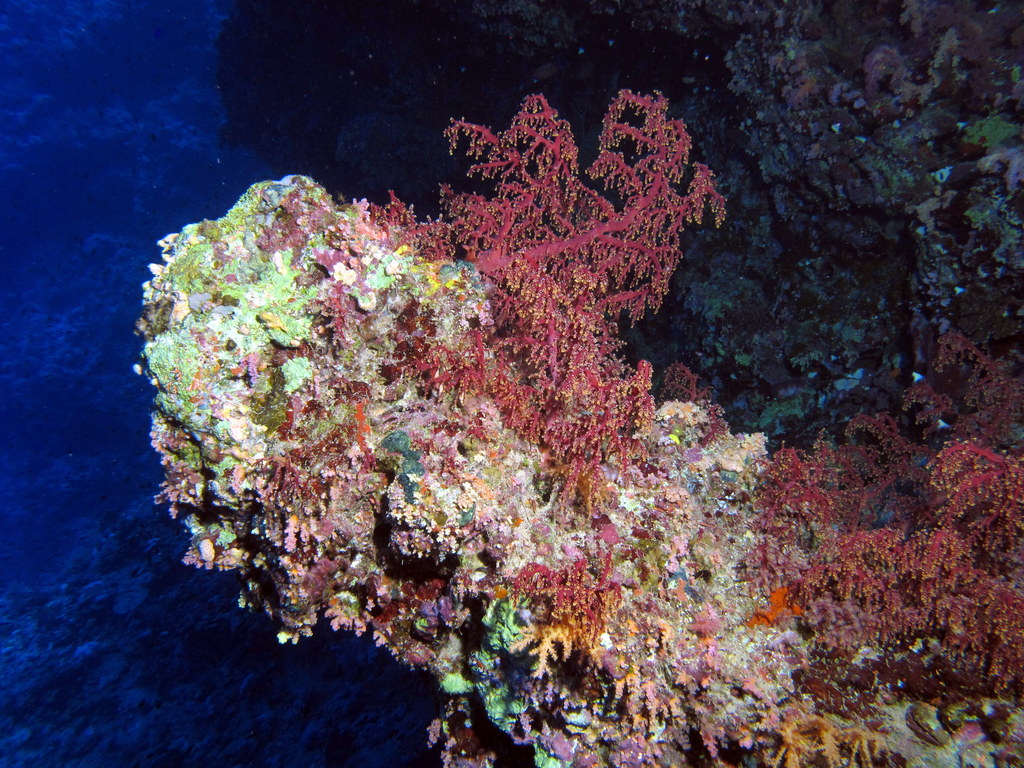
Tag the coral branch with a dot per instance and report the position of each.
(566, 261)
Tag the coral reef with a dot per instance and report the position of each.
(888, 139)
(329, 431)
(304, 448)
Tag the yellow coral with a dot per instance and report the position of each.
(806, 736)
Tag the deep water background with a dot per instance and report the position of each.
(113, 653)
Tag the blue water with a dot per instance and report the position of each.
(112, 652)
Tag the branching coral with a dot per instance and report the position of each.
(566, 260)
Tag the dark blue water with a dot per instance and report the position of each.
(113, 653)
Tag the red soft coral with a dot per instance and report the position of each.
(566, 260)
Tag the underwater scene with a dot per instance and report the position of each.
(509, 383)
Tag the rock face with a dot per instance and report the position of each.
(311, 443)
